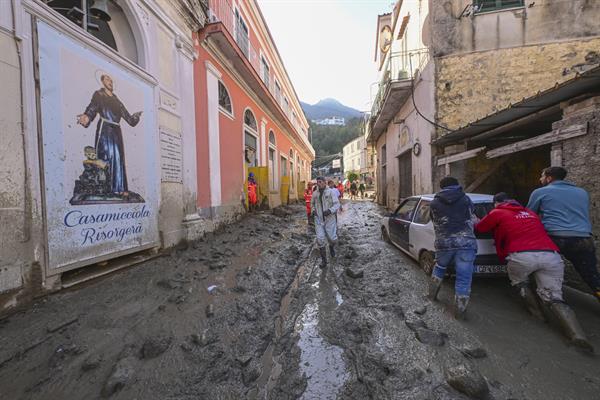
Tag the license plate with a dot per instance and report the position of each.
(490, 269)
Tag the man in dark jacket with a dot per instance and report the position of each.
(455, 243)
(521, 239)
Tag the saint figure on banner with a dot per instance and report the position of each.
(108, 146)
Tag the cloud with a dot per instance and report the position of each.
(327, 46)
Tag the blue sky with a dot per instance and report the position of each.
(327, 46)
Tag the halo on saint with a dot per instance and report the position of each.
(99, 74)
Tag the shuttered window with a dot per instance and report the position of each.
(492, 5)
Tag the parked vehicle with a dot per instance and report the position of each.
(411, 230)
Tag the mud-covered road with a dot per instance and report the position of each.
(246, 313)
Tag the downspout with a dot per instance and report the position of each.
(26, 205)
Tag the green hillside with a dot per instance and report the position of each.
(328, 140)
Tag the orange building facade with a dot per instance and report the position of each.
(248, 116)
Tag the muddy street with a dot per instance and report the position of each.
(246, 313)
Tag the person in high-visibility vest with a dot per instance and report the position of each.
(307, 198)
(252, 192)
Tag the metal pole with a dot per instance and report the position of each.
(85, 14)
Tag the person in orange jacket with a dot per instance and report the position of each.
(307, 198)
(252, 192)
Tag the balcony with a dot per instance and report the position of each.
(228, 32)
(395, 88)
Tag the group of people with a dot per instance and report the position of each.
(530, 239)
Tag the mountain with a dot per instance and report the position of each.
(329, 108)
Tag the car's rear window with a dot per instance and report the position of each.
(482, 209)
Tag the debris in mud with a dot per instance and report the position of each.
(211, 289)
(474, 352)
(217, 265)
(430, 337)
(468, 380)
(91, 363)
(210, 310)
(421, 310)
(61, 353)
(415, 323)
(121, 375)
(167, 284)
(177, 298)
(155, 346)
(354, 273)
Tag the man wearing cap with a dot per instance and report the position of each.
(521, 239)
(324, 205)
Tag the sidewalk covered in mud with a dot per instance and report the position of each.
(507, 150)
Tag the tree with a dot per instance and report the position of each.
(327, 140)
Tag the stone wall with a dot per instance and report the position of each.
(581, 155)
(471, 86)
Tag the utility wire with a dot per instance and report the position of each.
(412, 94)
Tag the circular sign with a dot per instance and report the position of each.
(385, 39)
(417, 149)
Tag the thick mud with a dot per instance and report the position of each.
(247, 313)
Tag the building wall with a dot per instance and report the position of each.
(539, 22)
(231, 137)
(581, 155)
(497, 78)
(353, 155)
(163, 53)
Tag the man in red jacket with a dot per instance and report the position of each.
(522, 240)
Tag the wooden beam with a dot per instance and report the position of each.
(459, 156)
(556, 135)
(518, 122)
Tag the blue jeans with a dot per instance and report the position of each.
(463, 264)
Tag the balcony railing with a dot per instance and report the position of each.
(399, 66)
(222, 11)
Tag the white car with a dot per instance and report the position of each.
(411, 230)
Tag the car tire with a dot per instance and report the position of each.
(427, 261)
(385, 236)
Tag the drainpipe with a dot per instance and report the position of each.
(26, 205)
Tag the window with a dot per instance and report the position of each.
(118, 34)
(383, 156)
(249, 120)
(283, 166)
(224, 99)
(406, 210)
(422, 215)
(278, 92)
(286, 105)
(491, 5)
(271, 138)
(250, 139)
(273, 176)
(264, 70)
(241, 33)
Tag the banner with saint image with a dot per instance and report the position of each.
(99, 149)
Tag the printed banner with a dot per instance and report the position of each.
(99, 148)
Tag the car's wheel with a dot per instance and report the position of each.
(385, 236)
(427, 261)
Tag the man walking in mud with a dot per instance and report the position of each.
(520, 238)
(455, 243)
(324, 206)
(564, 209)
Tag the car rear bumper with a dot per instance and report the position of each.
(489, 264)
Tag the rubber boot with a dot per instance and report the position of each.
(531, 302)
(570, 326)
(332, 250)
(323, 252)
(435, 284)
(460, 306)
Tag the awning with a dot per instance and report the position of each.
(587, 82)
